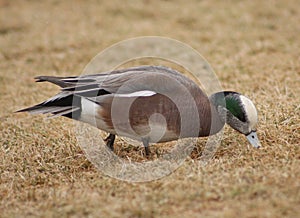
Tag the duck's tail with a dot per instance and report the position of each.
(62, 104)
(68, 102)
(68, 106)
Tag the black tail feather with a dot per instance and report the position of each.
(69, 106)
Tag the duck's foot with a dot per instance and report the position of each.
(147, 151)
(110, 141)
(146, 145)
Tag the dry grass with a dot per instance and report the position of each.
(253, 47)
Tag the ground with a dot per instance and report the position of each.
(253, 47)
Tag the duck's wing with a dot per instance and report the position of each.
(124, 81)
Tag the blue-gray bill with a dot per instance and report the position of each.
(253, 139)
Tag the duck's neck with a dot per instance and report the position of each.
(218, 102)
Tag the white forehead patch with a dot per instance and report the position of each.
(251, 111)
(137, 94)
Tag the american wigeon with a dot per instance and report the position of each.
(148, 103)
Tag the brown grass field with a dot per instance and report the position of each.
(254, 48)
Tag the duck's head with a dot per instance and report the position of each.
(239, 112)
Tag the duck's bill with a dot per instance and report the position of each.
(253, 139)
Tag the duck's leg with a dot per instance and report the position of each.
(146, 145)
(110, 141)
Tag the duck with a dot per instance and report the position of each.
(150, 104)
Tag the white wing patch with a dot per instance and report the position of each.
(144, 93)
(251, 111)
(90, 114)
